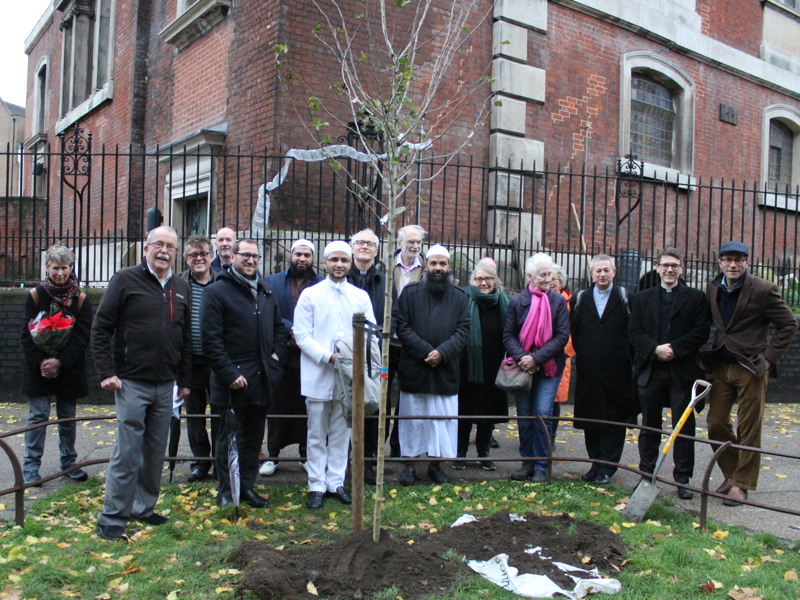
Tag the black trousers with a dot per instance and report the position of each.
(661, 391)
(605, 443)
(196, 404)
(483, 434)
(249, 424)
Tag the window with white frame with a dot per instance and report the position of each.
(652, 120)
(781, 142)
(87, 49)
(190, 167)
(40, 99)
(780, 156)
(657, 115)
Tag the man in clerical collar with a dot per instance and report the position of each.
(668, 325)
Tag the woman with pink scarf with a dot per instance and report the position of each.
(535, 333)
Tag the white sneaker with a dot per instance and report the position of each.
(267, 468)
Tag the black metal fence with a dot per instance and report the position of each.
(101, 201)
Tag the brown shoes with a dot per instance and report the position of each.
(735, 496)
(725, 487)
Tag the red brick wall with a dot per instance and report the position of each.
(229, 76)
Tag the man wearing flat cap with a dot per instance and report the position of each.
(432, 321)
(324, 315)
(741, 359)
(288, 285)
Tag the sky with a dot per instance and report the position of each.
(16, 24)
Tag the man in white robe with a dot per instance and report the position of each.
(323, 316)
(432, 320)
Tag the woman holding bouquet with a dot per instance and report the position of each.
(55, 335)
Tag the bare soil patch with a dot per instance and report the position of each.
(355, 567)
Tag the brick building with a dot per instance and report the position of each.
(702, 91)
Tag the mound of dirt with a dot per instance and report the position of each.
(355, 567)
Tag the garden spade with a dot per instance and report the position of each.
(645, 493)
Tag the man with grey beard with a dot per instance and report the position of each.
(432, 320)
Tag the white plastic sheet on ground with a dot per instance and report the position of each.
(529, 585)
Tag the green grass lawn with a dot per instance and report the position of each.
(56, 554)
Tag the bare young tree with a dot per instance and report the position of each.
(397, 79)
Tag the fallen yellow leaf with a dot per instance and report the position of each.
(790, 576)
(312, 589)
(720, 534)
(615, 528)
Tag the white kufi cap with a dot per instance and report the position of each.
(337, 246)
(303, 242)
(438, 250)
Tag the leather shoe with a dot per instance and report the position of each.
(370, 477)
(436, 473)
(315, 500)
(524, 473)
(493, 443)
(111, 532)
(539, 477)
(152, 519)
(590, 475)
(196, 474)
(407, 477)
(254, 500)
(725, 487)
(602, 478)
(685, 493)
(735, 496)
(341, 495)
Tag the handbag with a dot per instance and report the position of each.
(510, 378)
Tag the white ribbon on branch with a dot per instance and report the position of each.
(260, 220)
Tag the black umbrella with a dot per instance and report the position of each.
(232, 426)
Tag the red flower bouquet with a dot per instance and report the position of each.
(51, 333)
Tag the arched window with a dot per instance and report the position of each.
(780, 156)
(657, 115)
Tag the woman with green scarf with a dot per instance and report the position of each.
(478, 395)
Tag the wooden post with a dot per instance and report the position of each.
(357, 439)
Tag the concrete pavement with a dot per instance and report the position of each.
(779, 484)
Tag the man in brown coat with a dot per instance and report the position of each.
(741, 360)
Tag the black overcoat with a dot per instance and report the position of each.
(240, 334)
(688, 330)
(603, 366)
(427, 322)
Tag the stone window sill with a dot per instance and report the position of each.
(194, 22)
(98, 97)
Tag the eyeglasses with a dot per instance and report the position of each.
(671, 266)
(163, 246)
(248, 256)
(364, 243)
(484, 279)
(196, 255)
(739, 260)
